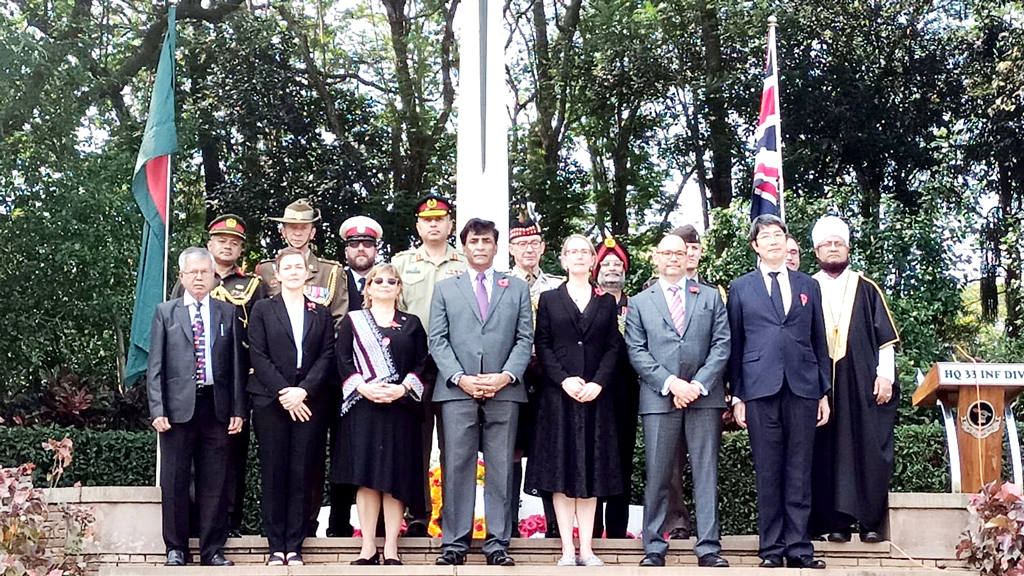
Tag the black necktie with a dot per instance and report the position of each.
(360, 284)
(777, 296)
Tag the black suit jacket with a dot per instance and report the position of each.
(272, 350)
(569, 343)
(766, 350)
(355, 296)
(171, 382)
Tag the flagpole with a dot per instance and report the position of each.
(773, 23)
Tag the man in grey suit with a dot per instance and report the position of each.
(195, 384)
(480, 336)
(677, 336)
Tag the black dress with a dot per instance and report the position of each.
(575, 443)
(378, 445)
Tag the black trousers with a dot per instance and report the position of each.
(781, 430)
(286, 459)
(238, 447)
(203, 442)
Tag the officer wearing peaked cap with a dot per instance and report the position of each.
(227, 237)
(326, 285)
(361, 235)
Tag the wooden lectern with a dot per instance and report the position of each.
(982, 394)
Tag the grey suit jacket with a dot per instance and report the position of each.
(461, 341)
(170, 378)
(657, 351)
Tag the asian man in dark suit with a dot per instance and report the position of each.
(677, 336)
(779, 372)
(481, 337)
(196, 396)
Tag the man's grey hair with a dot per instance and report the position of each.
(195, 253)
(764, 221)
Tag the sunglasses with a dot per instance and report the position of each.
(391, 281)
(361, 244)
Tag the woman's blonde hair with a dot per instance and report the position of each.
(571, 237)
(373, 273)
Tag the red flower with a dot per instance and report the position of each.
(694, 290)
(598, 291)
(385, 341)
(803, 299)
(311, 305)
(503, 282)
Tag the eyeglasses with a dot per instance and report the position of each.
(578, 252)
(535, 244)
(391, 281)
(832, 244)
(672, 254)
(194, 273)
(360, 243)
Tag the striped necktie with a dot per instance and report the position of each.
(199, 342)
(676, 308)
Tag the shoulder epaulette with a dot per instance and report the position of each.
(223, 294)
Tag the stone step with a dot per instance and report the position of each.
(471, 570)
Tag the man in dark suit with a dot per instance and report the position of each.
(361, 235)
(481, 337)
(677, 335)
(196, 399)
(779, 371)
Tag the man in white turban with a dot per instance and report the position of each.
(853, 453)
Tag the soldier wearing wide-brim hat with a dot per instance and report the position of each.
(326, 284)
(227, 239)
(420, 269)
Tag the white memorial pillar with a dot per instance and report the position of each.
(482, 153)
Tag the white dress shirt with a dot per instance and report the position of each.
(787, 292)
(297, 316)
(665, 289)
(204, 311)
(834, 290)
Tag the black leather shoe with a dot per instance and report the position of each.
(712, 561)
(371, 561)
(805, 562)
(679, 534)
(392, 562)
(653, 559)
(450, 558)
(771, 561)
(500, 558)
(218, 559)
(234, 533)
(840, 536)
(870, 536)
(176, 558)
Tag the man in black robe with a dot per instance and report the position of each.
(853, 453)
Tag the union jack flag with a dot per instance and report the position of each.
(767, 186)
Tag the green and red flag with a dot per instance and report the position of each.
(151, 187)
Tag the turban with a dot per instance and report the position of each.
(828, 226)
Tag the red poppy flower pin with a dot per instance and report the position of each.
(395, 324)
(503, 282)
(598, 291)
(694, 290)
(311, 305)
(385, 341)
(803, 299)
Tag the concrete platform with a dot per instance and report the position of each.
(337, 570)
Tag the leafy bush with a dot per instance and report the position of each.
(994, 538)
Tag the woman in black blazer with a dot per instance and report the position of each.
(575, 451)
(291, 348)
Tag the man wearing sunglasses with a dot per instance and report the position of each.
(361, 235)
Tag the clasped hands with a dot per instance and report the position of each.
(381, 392)
(293, 399)
(580, 390)
(683, 392)
(482, 386)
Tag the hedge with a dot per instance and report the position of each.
(118, 458)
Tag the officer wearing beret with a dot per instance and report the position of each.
(421, 268)
(326, 285)
(227, 236)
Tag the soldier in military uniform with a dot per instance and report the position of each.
(527, 246)
(421, 268)
(227, 235)
(361, 235)
(610, 268)
(328, 286)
